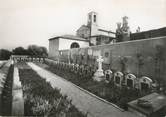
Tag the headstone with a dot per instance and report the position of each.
(99, 75)
(130, 80)
(108, 75)
(76, 68)
(118, 77)
(145, 83)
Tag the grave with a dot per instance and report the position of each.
(145, 83)
(108, 75)
(148, 106)
(76, 68)
(118, 77)
(99, 75)
(130, 80)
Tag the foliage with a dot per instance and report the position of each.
(32, 50)
(4, 54)
(19, 51)
(43, 100)
(38, 51)
(7, 93)
(109, 91)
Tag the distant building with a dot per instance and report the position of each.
(65, 42)
(86, 35)
(148, 34)
(93, 33)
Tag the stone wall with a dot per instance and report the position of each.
(141, 57)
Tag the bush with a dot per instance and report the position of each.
(43, 100)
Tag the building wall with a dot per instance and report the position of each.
(66, 43)
(53, 48)
(59, 44)
(113, 55)
(105, 33)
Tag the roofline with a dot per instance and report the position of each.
(106, 31)
(102, 35)
(67, 38)
(149, 30)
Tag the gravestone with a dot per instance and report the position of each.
(145, 83)
(72, 67)
(99, 75)
(108, 75)
(118, 77)
(81, 69)
(130, 80)
(76, 68)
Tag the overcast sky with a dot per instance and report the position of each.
(24, 22)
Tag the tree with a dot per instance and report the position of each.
(4, 54)
(33, 50)
(19, 51)
(37, 51)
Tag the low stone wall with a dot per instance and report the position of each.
(140, 57)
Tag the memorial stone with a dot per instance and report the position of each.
(118, 77)
(99, 75)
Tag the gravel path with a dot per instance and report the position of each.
(17, 93)
(83, 100)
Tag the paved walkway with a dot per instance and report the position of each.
(84, 101)
(17, 93)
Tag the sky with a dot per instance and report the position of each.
(26, 22)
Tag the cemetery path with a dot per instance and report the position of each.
(83, 100)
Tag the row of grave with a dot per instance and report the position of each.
(3, 76)
(83, 70)
(18, 58)
(119, 79)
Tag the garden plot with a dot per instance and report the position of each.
(6, 81)
(85, 101)
(40, 99)
(107, 91)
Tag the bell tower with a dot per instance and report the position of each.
(93, 23)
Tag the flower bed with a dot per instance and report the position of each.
(7, 91)
(106, 91)
(41, 99)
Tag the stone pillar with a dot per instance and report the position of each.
(99, 75)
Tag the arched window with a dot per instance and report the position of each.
(74, 45)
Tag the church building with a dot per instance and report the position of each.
(86, 35)
(93, 33)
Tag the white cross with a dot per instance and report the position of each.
(100, 60)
